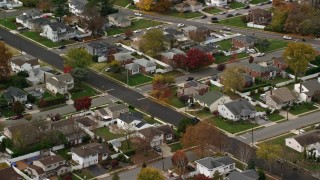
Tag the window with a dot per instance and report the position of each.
(231, 166)
(49, 166)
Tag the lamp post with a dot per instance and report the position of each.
(288, 113)
(162, 160)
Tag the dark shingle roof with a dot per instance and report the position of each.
(150, 132)
(117, 107)
(209, 97)
(240, 107)
(245, 175)
(97, 45)
(50, 160)
(282, 95)
(9, 174)
(21, 62)
(211, 163)
(166, 129)
(91, 149)
(13, 92)
(130, 117)
(246, 38)
(87, 122)
(308, 138)
(312, 85)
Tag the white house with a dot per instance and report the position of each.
(236, 110)
(3, 2)
(154, 135)
(308, 89)
(211, 100)
(219, 3)
(76, 7)
(57, 31)
(27, 15)
(131, 120)
(309, 140)
(60, 83)
(146, 66)
(90, 154)
(39, 75)
(13, 94)
(18, 65)
(209, 165)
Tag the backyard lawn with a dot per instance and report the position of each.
(64, 153)
(274, 45)
(186, 15)
(175, 147)
(42, 40)
(302, 108)
(138, 24)
(106, 134)
(122, 3)
(10, 23)
(225, 45)
(212, 10)
(222, 58)
(231, 128)
(279, 79)
(85, 91)
(235, 21)
(275, 117)
(99, 66)
(258, 1)
(236, 5)
(215, 88)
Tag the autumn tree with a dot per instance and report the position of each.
(83, 103)
(204, 136)
(61, 9)
(79, 74)
(178, 61)
(5, 57)
(45, 5)
(245, 153)
(298, 55)
(162, 6)
(128, 33)
(262, 44)
(217, 175)
(180, 160)
(221, 67)
(149, 173)
(144, 144)
(145, 5)
(18, 107)
(104, 7)
(161, 87)
(278, 19)
(115, 176)
(232, 79)
(201, 177)
(251, 59)
(269, 152)
(153, 42)
(197, 58)
(251, 164)
(79, 58)
(92, 20)
(115, 66)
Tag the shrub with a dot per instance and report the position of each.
(312, 71)
(85, 139)
(28, 117)
(268, 111)
(206, 109)
(130, 152)
(95, 58)
(31, 98)
(52, 101)
(131, 107)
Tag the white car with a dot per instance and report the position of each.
(226, 28)
(138, 14)
(260, 54)
(137, 31)
(149, 28)
(116, 35)
(222, 13)
(251, 50)
(28, 106)
(236, 13)
(287, 37)
(180, 25)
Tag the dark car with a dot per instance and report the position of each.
(189, 78)
(247, 7)
(190, 168)
(77, 39)
(229, 15)
(195, 120)
(1, 38)
(214, 19)
(62, 47)
(17, 117)
(126, 38)
(157, 149)
(204, 16)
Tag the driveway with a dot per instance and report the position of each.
(96, 170)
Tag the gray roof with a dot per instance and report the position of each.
(119, 17)
(85, 121)
(59, 25)
(308, 138)
(39, 21)
(32, 13)
(166, 129)
(91, 149)
(64, 77)
(281, 95)
(79, 3)
(23, 17)
(246, 38)
(117, 107)
(132, 66)
(313, 86)
(97, 45)
(130, 117)
(51, 160)
(145, 63)
(13, 92)
(209, 97)
(20, 62)
(173, 31)
(150, 132)
(211, 163)
(122, 56)
(258, 68)
(245, 175)
(240, 107)
(102, 111)
(209, 48)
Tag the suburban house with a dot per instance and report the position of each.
(115, 110)
(36, 91)
(146, 66)
(244, 41)
(90, 154)
(39, 75)
(123, 57)
(265, 72)
(60, 83)
(103, 50)
(102, 115)
(218, 3)
(240, 109)
(281, 97)
(58, 31)
(153, 135)
(36, 24)
(71, 129)
(192, 88)
(309, 141)
(86, 123)
(249, 81)
(48, 166)
(208, 49)
(308, 89)
(3, 3)
(76, 7)
(249, 174)
(188, 5)
(131, 120)
(211, 100)
(168, 133)
(280, 63)
(13, 94)
(30, 14)
(174, 32)
(18, 65)
(209, 165)
(167, 56)
(132, 68)
(199, 34)
(119, 20)
(259, 16)
(10, 174)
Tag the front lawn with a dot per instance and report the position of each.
(275, 117)
(274, 45)
(42, 40)
(99, 66)
(139, 79)
(222, 58)
(258, 1)
(260, 109)
(83, 90)
(279, 79)
(201, 114)
(225, 45)
(232, 127)
(105, 133)
(9, 23)
(235, 21)
(186, 15)
(175, 147)
(150, 120)
(83, 173)
(302, 108)
(236, 5)
(122, 3)
(174, 100)
(212, 10)
(64, 153)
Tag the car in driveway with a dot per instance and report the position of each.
(116, 35)
(204, 16)
(222, 13)
(17, 117)
(157, 149)
(137, 31)
(260, 54)
(226, 28)
(138, 14)
(180, 25)
(28, 106)
(236, 13)
(62, 47)
(189, 78)
(229, 15)
(287, 37)
(214, 20)
(246, 7)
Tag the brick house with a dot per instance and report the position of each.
(123, 57)
(167, 57)
(244, 41)
(199, 34)
(265, 72)
(259, 16)
(280, 63)
(192, 88)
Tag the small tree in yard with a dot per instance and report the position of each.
(232, 79)
(128, 33)
(244, 153)
(251, 59)
(251, 164)
(18, 108)
(127, 130)
(197, 58)
(262, 175)
(5, 57)
(180, 160)
(144, 144)
(161, 87)
(269, 152)
(115, 176)
(221, 67)
(149, 173)
(92, 19)
(83, 103)
(217, 175)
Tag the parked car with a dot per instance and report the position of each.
(78, 39)
(126, 38)
(287, 37)
(226, 28)
(157, 149)
(180, 25)
(251, 50)
(62, 47)
(260, 54)
(17, 117)
(116, 35)
(229, 15)
(269, 2)
(108, 69)
(236, 13)
(100, 33)
(204, 16)
(189, 78)
(7, 7)
(260, 4)
(246, 7)
(222, 13)
(214, 19)
(28, 106)
(195, 120)
(137, 31)
(226, 7)
(138, 14)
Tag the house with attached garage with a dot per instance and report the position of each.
(71, 129)
(281, 97)
(192, 88)
(48, 166)
(153, 135)
(167, 56)
(132, 121)
(244, 41)
(18, 65)
(119, 20)
(115, 110)
(309, 141)
(209, 165)
(249, 174)
(58, 31)
(132, 68)
(103, 50)
(237, 110)
(123, 57)
(211, 100)
(168, 133)
(39, 75)
(13, 94)
(308, 90)
(86, 123)
(218, 3)
(208, 49)
(146, 66)
(90, 154)
(60, 83)
(280, 63)
(76, 7)
(27, 15)
(264, 72)
(259, 16)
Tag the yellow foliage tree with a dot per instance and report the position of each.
(145, 5)
(150, 174)
(269, 152)
(232, 79)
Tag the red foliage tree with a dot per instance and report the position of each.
(251, 59)
(201, 177)
(83, 103)
(179, 61)
(128, 33)
(197, 58)
(180, 160)
(221, 67)
(67, 69)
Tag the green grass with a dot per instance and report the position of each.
(215, 88)
(279, 79)
(225, 45)
(222, 58)
(6, 112)
(201, 114)
(47, 95)
(99, 66)
(275, 117)
(175, 147)
(138, 79)
(106, 134)
(174, 100)
(235, 21)
(9, 23)
(236, 5)
(257, 1)
(64, 153)
(231, 128)
(14, 51)
(124, 146)
(302, 108)
(138, 24)
(274, 45)
(122, 3)
(42, 40)
(150, 120)
(174, 73)
(212, 10)
(86, 91)
(259, 108)
(83, 173)
(186, 15)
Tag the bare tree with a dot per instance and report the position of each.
(127, 130)
(245, 154)
(144, 143)
(92, 19)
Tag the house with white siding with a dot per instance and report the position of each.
(18, 65)
(209, 165)
(240, 109)
(211, 100)
(58, 31)
(307, 90)
(13, 94)
(154, 136)
(218, 3)
(131, 120)
(27, 15)
(60, 83)
(281, 97)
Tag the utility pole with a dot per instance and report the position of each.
(127, 77)
(162, 160)
(220, 141)
(252, 136)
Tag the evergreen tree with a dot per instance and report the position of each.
(251, 164)
(262, 175)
